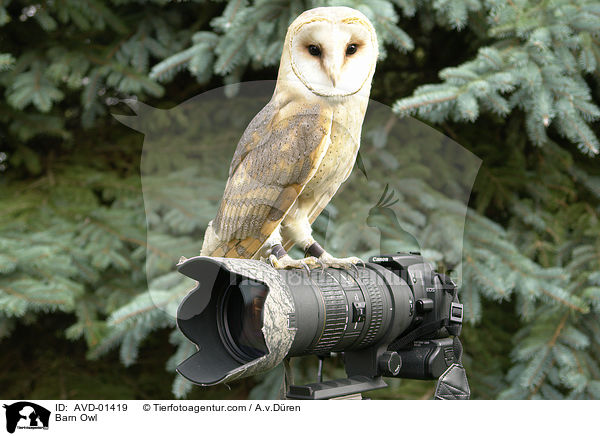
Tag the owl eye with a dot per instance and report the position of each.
(314, 50)
(351, 49)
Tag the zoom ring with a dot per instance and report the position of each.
(336, 317)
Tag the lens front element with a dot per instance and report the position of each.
(242, 319)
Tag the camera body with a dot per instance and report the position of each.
(392, 317)
(425, 347)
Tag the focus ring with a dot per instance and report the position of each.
(336, 315)
(376, 300)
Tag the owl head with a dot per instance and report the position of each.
(331, 51)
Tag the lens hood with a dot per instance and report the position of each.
(200, 311)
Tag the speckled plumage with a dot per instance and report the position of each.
(302, 145)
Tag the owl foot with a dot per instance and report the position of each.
(345, 262)
(287, 262)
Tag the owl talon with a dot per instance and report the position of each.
(273, 261)
(287, 262)
(305, 266)
(345, 263)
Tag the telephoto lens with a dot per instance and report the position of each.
(245, 317)
(344, 310)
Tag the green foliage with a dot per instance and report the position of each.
(73, 214)
(541, 53)
(253, 34)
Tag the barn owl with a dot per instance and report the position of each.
(302, 145)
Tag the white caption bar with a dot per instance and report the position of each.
(45, 418)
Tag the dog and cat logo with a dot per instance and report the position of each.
(26, 415)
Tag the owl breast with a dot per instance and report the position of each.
(340, 156)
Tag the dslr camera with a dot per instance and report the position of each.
(394, 316)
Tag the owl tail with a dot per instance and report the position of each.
(214, 246)
(210, 243)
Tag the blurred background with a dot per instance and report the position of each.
(513, 82)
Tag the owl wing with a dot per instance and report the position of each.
(277, 155)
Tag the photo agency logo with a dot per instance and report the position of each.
(26, 416)
(389, 203)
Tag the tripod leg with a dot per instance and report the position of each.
(320, 369)
(288, 378)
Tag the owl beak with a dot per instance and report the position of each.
(333, 70)
(334, 75)
(334, 78)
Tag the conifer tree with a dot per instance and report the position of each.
(520, 91)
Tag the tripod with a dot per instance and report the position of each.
(350, 388)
